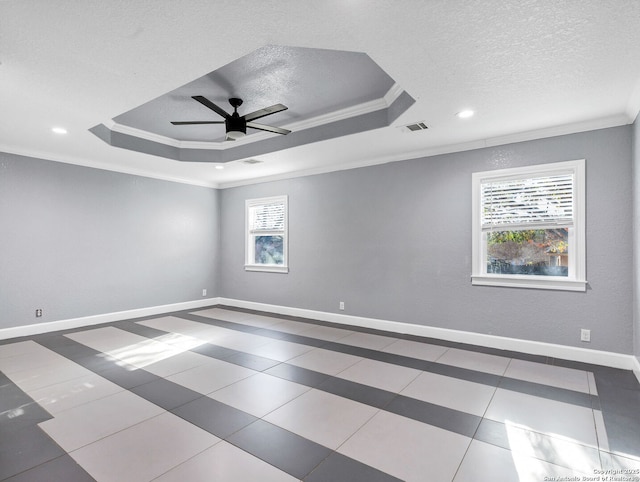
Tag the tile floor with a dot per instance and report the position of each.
(227, 395)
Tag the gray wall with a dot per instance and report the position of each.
(77, 241)
(394, 242)
(636, 235)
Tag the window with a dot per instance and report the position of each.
(529, 227)
(266, 234)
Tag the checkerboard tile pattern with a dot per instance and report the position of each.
(229, 395)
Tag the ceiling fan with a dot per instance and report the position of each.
(236, 125)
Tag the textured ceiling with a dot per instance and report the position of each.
(528, 68)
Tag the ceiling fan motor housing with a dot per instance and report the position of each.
(235, 123)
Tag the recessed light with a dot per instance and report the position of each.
(59, 130)
(465, 114)
(219, 167)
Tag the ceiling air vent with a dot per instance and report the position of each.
(418, 126)
(252, 161)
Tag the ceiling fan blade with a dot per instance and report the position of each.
(262, 127)
(207, 103)
(264, 112)
(184, 123)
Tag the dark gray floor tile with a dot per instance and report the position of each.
(338, 467)
(350, 349)
(57, 470)
(445, 418)
(612, 378)
(372, 396)
(254, 362)
(25, 449)
(465, 374)
(97, 363)
(623, 432)
(300, 375)
(165, 393)
(214, 351)
(305, 340)
(66, 347)
(215, 417)
(142, 330)
(221, 323)
(275, 334)
(287, 451)
(17, 409)
(19, 415)
(128, 379)
(494, 433)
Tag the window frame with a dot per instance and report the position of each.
(249, 264)
(576, 279)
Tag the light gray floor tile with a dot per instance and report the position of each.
(450, 392)
(629, 464)
(22, 357)
(279, 350)
(210, 376)
(224, 315)
(415, 349)
(70, 394)
(549, 417)
(177, 363)
(553, 448)
(367, 340)
(201, 331)
(561, 377)
(472, 360)
(322, 417)
(291, 327)
(259, 394)
(106, 339)
(406, 449)
(251, 319)
(19, 348)
(144, 451)
(325, 361)
(327, 333)
(385, 376)
(59, 370)
(242, 341)
(224, 462)
(593, 389)
(488, 463)
(92, 421)
(601, 430)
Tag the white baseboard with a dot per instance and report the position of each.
(584, 355)
(39, 328)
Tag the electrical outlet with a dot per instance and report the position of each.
(38, 313)
(204, 292)
(342, 305)
(585, 335)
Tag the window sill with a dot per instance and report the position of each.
(522, 281)
(266, 268)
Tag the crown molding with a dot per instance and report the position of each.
(84, 162)
(360, 109)
(596, 124)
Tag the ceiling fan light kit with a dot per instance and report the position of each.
(235, 124)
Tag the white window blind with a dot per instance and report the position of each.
(528, 203)
(267, 217)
